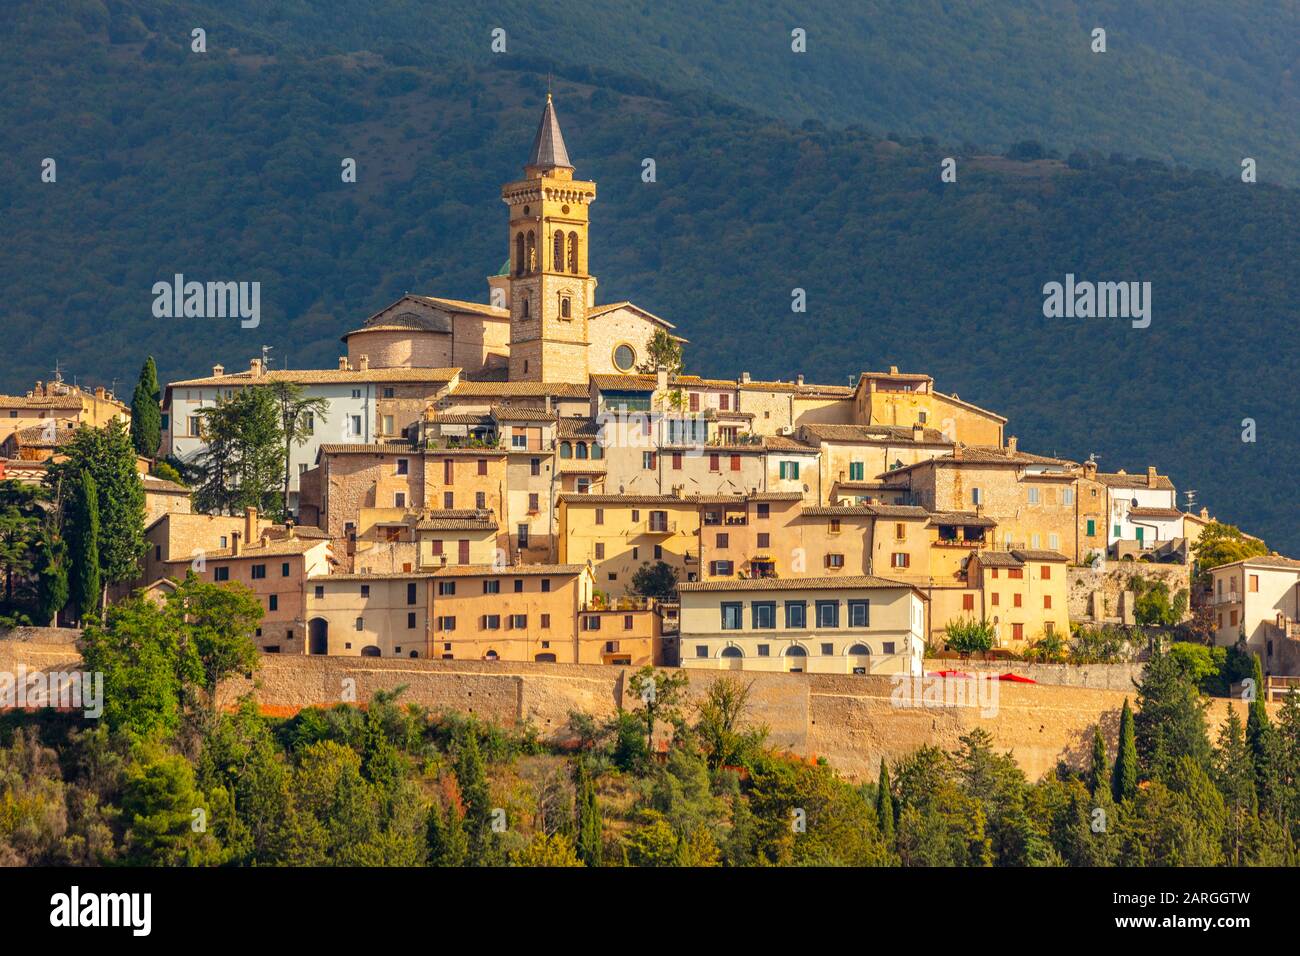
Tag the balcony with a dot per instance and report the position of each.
(659, 526)
(960, 542)
(1232, 597)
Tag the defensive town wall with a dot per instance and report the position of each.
(852, 721)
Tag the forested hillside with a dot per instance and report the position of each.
(226, 166)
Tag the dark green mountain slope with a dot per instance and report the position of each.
(1200, 82)
(227, 167)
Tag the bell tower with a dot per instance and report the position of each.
(550, 287)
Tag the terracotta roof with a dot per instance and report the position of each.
(625, 383)
(40, 401)
(43, 436)
(460, 305)
(980, 455)
(521, 389)
(1038, 555)
(323, 377)
(578, 428)
(1266, 560)
(998, 559)
(516, 570)
(898, 511)
(627, 499)
(274, 548)
(481, 521)
(900, 376)
(387, 448)
(969, 518)
(874, 433)
(1136, 480)
(820, 583)
(1154, 513)
(741, 499)
(155, 484)
(520, 413)
(451, 418)
(837, 511)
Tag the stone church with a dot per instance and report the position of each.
(541, 322)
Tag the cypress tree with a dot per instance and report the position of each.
(53, 577)
(84, 541)
(1123, 781)
(885, 805)
(1259, 739)
(591, 841)
(1100, 770)
(146, 413)
(445, 833)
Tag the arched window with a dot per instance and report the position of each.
(519, 254)
(624, 357)
(573, 253)
(860, 649)
(581, 449)
(597, 450)
(490, 656)
(795, 650)
(532, 252)
(557, 262)
(566, 450)
(565, 311)
(732, 651)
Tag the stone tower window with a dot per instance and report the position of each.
(558, 257)
(525, 307)
(519, 254)
(532, 252)
(566, 311)
(573, 253)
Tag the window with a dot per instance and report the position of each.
(1067, 496)
(659, 552)
(900, 559)
(259, 572)
(764, 539)
(900, 531)
(731, 616)
(600, 516)
(624, 358)
(386, 424)
(1092, 527)
(519, 439)
(1017, 632)
(1047, 602)
(721, 569)
(273, 602)
(764, 510)
(715, 461)
(1016, 600)
(828, 650)
(994, 599)
(828, 613)
(356, 427)
(447, 588)
(677, 461)
(1054, 542)
(976, 496)
(857, 470)
(491, 622)
(835, 561)
(735, 463)
(701, 650)
(519, 622)
(591, 622)
(492, 586)
(411, 590)
(724, 540)
(221, 574)
(320, 591)
(724, 402)
(1035, 541)
(566, 450)
(796, 615)
(859, 613)
(835, 526)
(447, 624)
(765, 650)
(763, 614)
(399, 499)
(534, 503)
(648, 460)
(546, 620)
(410, 619)
(968, 602)
(1033, 496)
(1232, 618)
(284, 569)
(1253, 586)
(1016, 573)
(480, 500)
(535, 466)
(1116, 531)
(449, 500)
(788, 470)
(695, 401)
(546, 585)
(1047, 572)
(360, 624)
(365, 590)
(600, 550)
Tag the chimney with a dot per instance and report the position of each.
(661, 377)
(1090, 469)
(1012, 442)
(893, 370)
(918, 431)
(1151, 476)
(255, 366)
(250, 523)
(363, 363)
(548, 405)
(798, 379)
(99, 391)
(343, 363)
(234, 543)
(1205, 514)
(957, 451)
(744, 378)
(839, 475)
(218, 371)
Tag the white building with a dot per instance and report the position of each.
(1258, 599)
(1141, 510)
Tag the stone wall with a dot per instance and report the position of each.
(852, 721)
(1112, 580)
(1105, 676)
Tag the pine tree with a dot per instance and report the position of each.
(146, 413)
(84, 542)
(885, 805)
(1235, 777)
(445, 833)
(1123, 780)
(590, 825)
(472, 777)
(1100, 771)
(1260, 739)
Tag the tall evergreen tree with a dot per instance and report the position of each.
(146, 411)
(1170, 720)
(590, 825)
(1124, 776)
(52, 574)
(298, 416)
(1099, 772)
(84, 541)
(885, 805)
(1260, 739)
(1235, 777)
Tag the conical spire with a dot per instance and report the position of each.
(548, 144)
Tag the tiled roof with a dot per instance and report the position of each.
(40, 401)
(898, 511)
(452, 418)
(741, 499)
(520, 389)
(1154, 513)
(837, 511)
(625, 383)
(1267, 561)
(516, 570)
(436, 522)
(327, 376)
(578, 428)
(460, 305)
(873, 433)
(45, 436)
(520, 413)
(1038, 555)
(387, 448)
(153, 483)
(1137, 480)
(581, 499)
(274, 548)
(969, 518)
(819, 583)
(998, 559)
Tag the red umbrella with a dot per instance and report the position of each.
(1017, 678)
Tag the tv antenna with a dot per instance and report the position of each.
(1190, 494)
(266, 357)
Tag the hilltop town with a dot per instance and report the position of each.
(537, 477)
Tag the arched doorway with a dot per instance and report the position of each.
(370, 650)
(795, 659)
(733, 658)
(318, 636)
(545, 658)
(860, 659)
